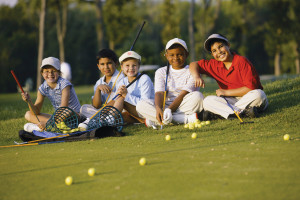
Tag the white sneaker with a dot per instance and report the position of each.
(29, 127)
(150, 123)
(190, 118)
(84, 125)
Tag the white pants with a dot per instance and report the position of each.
(88, 110)
(218, 105)
(191, 103)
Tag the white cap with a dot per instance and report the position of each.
(211, 37)
(177, 41)
(129, 54)
(54, 62)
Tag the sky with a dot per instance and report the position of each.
(8, 2)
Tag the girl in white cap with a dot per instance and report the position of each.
(60, 92)
(237, 78)
(141, 89)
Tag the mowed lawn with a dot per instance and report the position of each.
(226, 161)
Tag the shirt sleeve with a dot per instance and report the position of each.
(251, 78)
(159, 80)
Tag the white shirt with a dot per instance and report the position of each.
(101, 81)
(178, 80)
(142, 89)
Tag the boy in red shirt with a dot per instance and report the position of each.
(237, 78)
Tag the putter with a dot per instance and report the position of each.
(165, 93)
(241, 121)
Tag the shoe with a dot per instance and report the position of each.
(29, 127)
(206, 115)
(190, 118)
(250, 112)
(150, 123)
(84, 125)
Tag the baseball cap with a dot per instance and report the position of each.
(129, 54)
(212, 37)
(54, 62)
(177, 41)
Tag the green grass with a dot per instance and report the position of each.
(226, 161)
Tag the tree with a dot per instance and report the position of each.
(191, 30)
(41, 42)
(99, 24)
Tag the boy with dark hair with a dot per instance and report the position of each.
(237, 78)
(105, 87)
(183, 100)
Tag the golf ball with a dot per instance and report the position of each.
(168, 137)
(286, 137)
(186, 126)
(142, 161)
(194, 135)
(191, 126)
(197, 121)
(207, 122)
(91, 171)
(69, 180)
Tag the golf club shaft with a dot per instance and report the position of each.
(137, 36)
(29, 102)
(233, 109)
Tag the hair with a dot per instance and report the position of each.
(212, 41)
(107, 53)
(47, 67)
(175, 46)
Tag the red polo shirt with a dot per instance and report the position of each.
(240, 74)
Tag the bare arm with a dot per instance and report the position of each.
(238, 92)
(65, 96)
(101, 89)
(158, 99)
(195, 71)
(176, 103)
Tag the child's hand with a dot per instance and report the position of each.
(220, 92)
(41, 125)
(104, 89)
(199, 82)
(25, 96)
(167, 116)
(159, 115)
(122, 91)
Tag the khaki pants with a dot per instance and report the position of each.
(218, 105)
(191, 103)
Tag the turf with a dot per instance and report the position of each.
(226, 161)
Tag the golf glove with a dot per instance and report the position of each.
(167, 116)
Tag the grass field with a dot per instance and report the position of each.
(226, 161)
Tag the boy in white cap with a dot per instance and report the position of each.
(237, 78)
(141, 90)
(183, 100)
(60, 92)
(105, 87)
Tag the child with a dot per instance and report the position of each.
(141, 90)
(107, 62)
(60, 92)
(183, 100)
(237, 78)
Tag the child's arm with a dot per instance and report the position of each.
(158, 100)
(36, 107)
(195, 71)
(176, 103)
(101, 89)
(238, 92)
(65, 96)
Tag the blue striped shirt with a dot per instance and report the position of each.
(142, 89)
(54, 95)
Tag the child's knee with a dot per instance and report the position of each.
(208, 100)
(27, 115)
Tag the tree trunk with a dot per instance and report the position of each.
(61, 27)
(191, 31)
(277, 59)
(41, 43)
(99, 25)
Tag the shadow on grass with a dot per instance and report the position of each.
(132, 156)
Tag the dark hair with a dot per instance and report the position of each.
(212, 41)
(107, 53)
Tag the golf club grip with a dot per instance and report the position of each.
(137, 36)
(167, 74)
(12, 72)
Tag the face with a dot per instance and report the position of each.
(50, 74)
(220, 51)
(106, 66)
(130, 67)
(176, 57)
